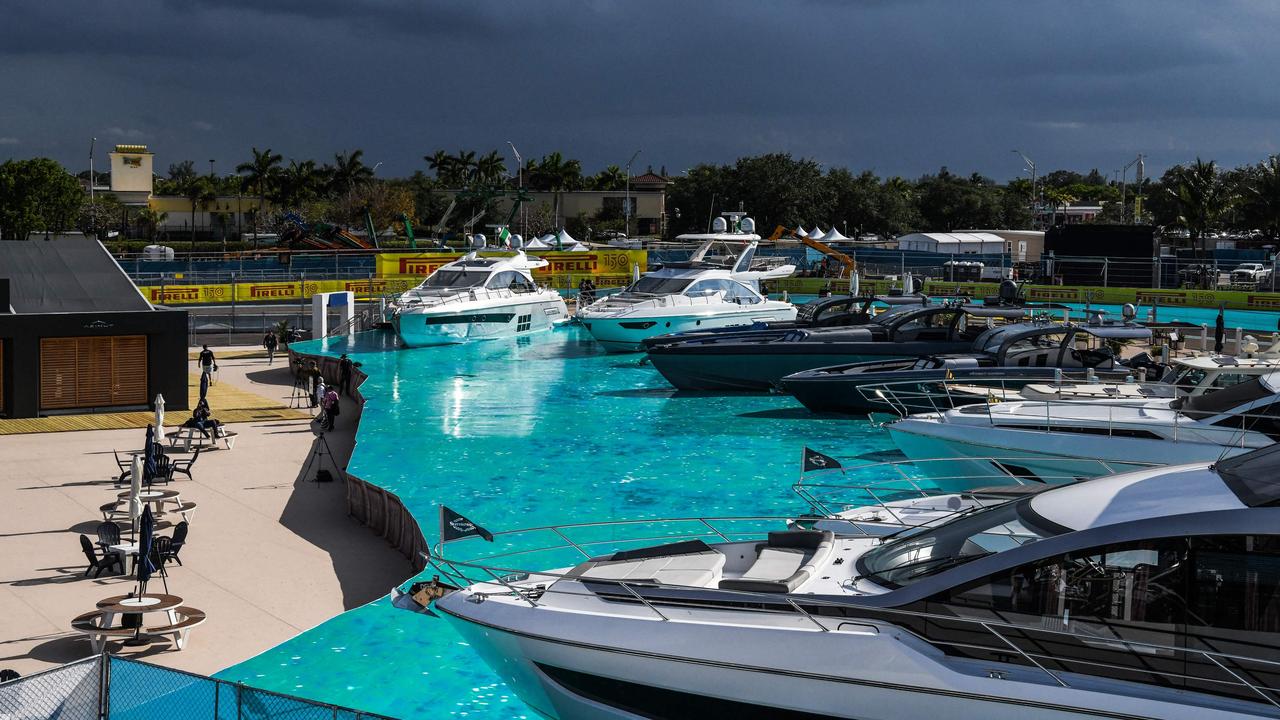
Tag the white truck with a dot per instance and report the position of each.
(1250, 273)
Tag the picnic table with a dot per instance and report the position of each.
(100, 625)
(192, 436)
(155, 498)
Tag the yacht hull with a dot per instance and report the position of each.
(572, 666)
(450, 325)
(990, 453)
(628, 333)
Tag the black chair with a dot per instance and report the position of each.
(164, 471)
(6, 675)
(126, 468)
(108, 534)
(178, 540)
(161, 550)
(184, 466)
(96, 564)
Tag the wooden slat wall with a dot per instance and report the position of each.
(93, 372)
(1, 375)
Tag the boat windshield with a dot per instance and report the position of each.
(906, 559)
(653, 285)
(455, 279)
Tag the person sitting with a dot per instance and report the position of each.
(201, 419)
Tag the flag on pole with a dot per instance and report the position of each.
(814, 460)
(455, 527)
(504, 237)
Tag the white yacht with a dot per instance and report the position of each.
(1187, 377)
(477, 298)
(697, 294)
(1147, 595)
(1048, 440)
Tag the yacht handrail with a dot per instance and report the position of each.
(534, 586)
(470, 294)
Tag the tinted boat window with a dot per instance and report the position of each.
(455, 279)
(659, 285)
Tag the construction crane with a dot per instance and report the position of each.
(848, 264)
(439, 227)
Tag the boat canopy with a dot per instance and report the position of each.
(1199, 407)
(1254, 477)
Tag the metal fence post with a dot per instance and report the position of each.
(104, 686)
(239, 702)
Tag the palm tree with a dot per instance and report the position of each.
(1201, 197)
(349, 169)
(261, 173)
(610, 178)
(1264, 195)
(555, 174)
(151, 219)
(464, 164)
(1059, 197)
(299, 183)
(491, 168)
(442, 164)
(200, 193)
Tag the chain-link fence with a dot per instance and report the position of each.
(113, 688)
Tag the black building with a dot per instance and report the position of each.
(77, 336)
(1075, 254)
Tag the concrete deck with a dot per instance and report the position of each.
(269, 553)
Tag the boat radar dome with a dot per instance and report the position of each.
(719, 225)
(1128, 312)
(478, 241)
(747, 225)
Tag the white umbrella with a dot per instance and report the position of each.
(135, 493)
(159, 415)
(635, 272)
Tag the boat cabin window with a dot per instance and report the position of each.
(733, 291)
(1189, 378)
(908, 559)
(509, 279)
(1219, 593)
(1037, 350)
(653, 285)
(929, 326)
(455, 279)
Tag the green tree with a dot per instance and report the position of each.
(610, 178)
(101, 213)
(199, 193)
(777, 189)
(261, 173)
(490, 168)
(444, 166)
(37, 194)
(298, 184)
(1200, 196)
(348, 170)
(150, 220)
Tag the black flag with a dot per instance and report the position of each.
(455, 527)
(814, 460)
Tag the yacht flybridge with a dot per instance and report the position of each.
(477, 298)
(700, 293)
(1151, 594)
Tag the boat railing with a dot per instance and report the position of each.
(409, 299)
(538, 589)
(1110, 416)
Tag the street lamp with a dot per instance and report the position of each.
(211, 161)
(1032, 166)
(524, 226)
(627, 208)
(93, 209)
(375, 167)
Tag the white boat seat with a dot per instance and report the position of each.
(696, 570)
(785, 562)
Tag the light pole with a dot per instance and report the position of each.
(524, 228)
(93, 209)
(1032, 166)
(627, 208)
(1123, 176)
(211, 161)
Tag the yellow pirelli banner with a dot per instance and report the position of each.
(581, 264)
(256, 292)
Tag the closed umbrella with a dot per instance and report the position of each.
(135, 493)
(204, 384)
(149, 456)
(159, 403)
(144, 569)
(1219, 331)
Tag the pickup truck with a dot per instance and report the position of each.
(1250, 274)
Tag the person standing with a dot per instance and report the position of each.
(206, 361)
(330, 405)
(317, 391)
(270, 342)
(344, 374)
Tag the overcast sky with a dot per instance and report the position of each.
(897, 86)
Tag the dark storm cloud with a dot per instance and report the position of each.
(898, 86)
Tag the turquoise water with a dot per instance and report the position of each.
(543, 430)
(519, 433)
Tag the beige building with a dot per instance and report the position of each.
(647, 199)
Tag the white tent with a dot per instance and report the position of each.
(536, 244)
(801, 232)
(580, 247)
(832, 235)
(815, 233)
(565, 239)
(953, 243)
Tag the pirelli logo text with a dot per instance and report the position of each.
(169, 295)
(274, 290)
(420, 266)
(1161, 298)
(1071, 294)
(1263, 302)
(585, 262)
(366, 286)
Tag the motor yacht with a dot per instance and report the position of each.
(477, 298)
(1045, 440)
(758, 361)
(691, 295)
(831, 311)
(1002, 360)
(1145, 595)
(1186, 377)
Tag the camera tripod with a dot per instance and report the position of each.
(302, 396)
(319, 451)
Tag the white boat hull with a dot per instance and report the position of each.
(627, 333)
(646, 668)
(463, 322)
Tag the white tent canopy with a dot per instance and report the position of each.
(536, 244)
(815, 233)
(954, 243)
(832, 235)
(801, 232)
(579, 248)
(565, 239)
